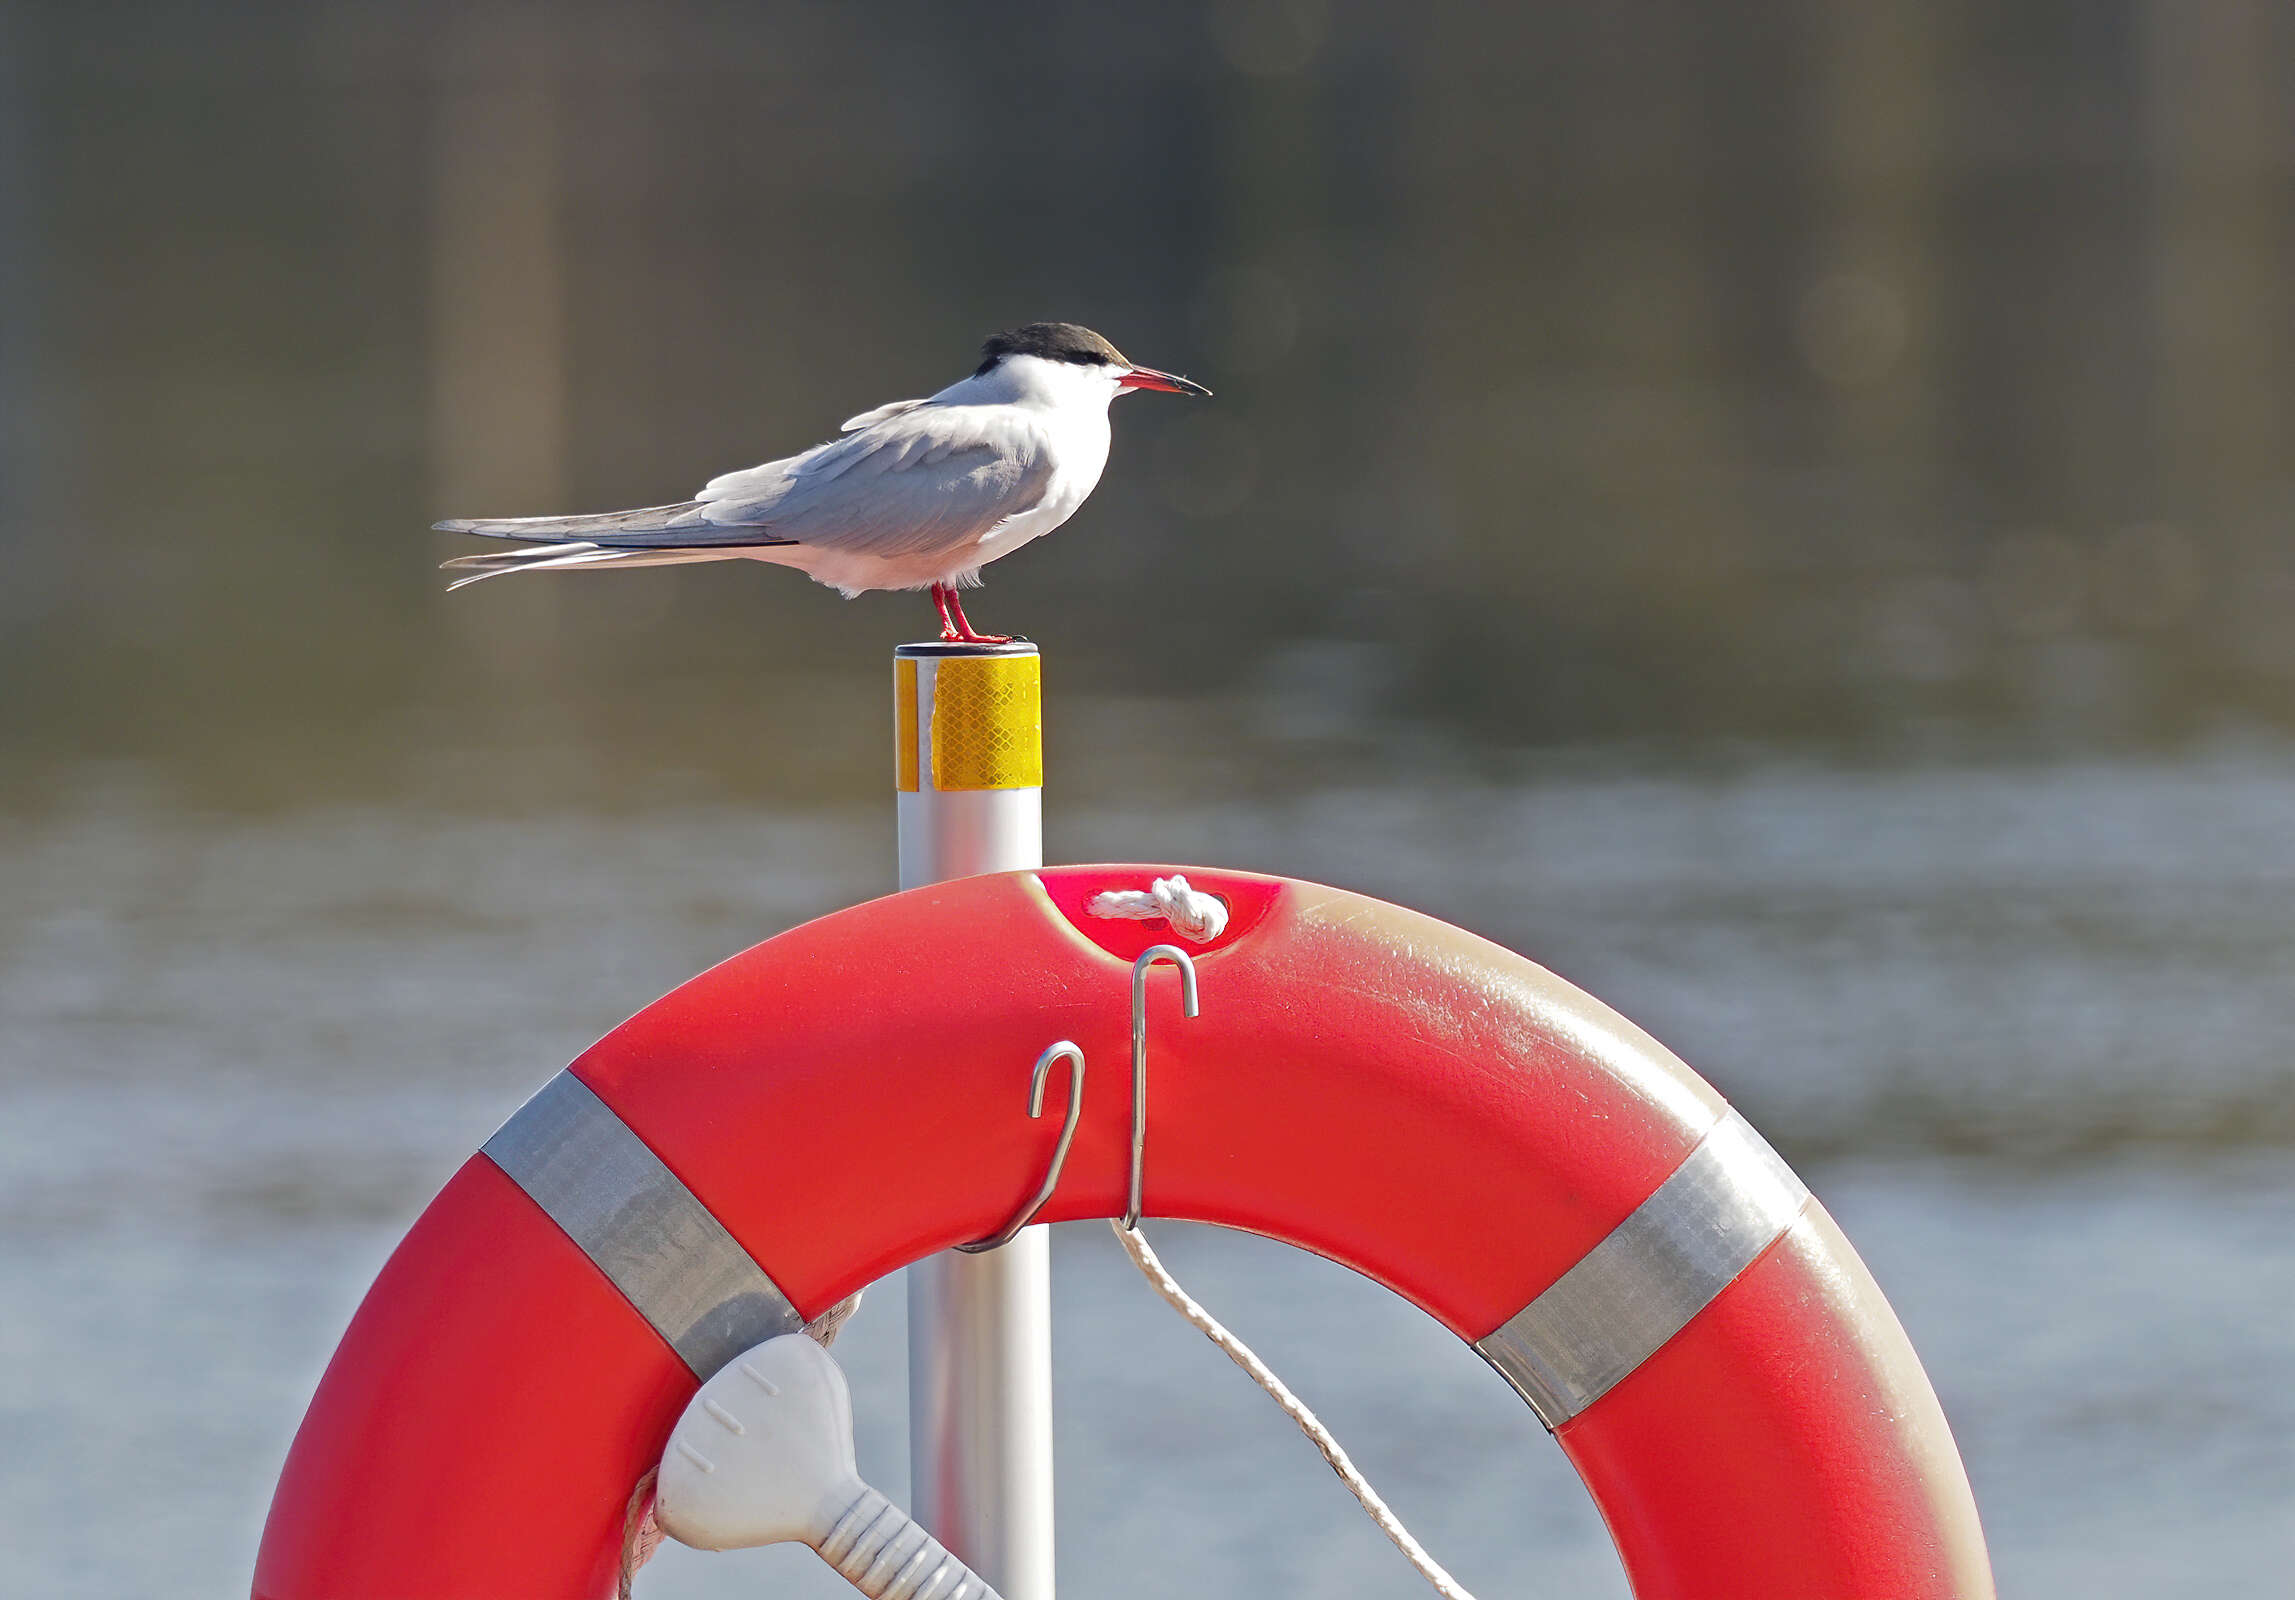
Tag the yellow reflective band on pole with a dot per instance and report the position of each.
(988, 723)
(904, 725)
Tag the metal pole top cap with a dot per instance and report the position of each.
(942, 649)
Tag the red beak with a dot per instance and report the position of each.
(1168, 382)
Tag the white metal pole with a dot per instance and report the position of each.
(969, 765)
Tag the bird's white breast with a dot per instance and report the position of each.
(1069, 404)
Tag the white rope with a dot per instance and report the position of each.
(1193, 915)
(1293, 1407)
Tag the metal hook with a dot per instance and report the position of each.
(1148, 958)
(1068, 1051)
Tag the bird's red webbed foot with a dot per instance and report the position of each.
(954, 628)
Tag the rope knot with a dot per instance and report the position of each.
(1193, 915)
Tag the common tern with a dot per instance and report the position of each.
(918, 494)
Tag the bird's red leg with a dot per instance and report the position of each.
(942, 595)
(963, 633)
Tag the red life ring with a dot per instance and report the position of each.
(1364, 1082)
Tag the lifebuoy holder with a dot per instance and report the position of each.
(1388, 1091)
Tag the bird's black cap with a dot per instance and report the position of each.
(1053, 341)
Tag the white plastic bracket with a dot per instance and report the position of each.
(764, 1455)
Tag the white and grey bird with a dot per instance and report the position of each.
(918, 494)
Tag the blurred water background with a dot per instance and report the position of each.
(1779, 512)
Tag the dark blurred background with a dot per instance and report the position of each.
(1777, 510)
(1866, 378)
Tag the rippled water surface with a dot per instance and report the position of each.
(2027, 1032)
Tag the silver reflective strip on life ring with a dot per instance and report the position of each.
(1729, 1201)
(641, 1225)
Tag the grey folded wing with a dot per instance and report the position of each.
(920, 479)
(645, 526)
